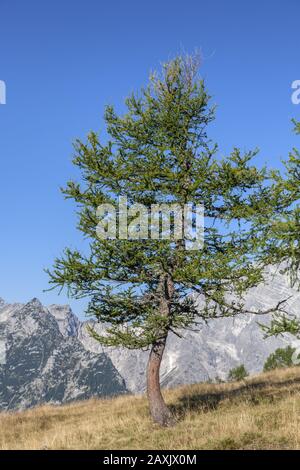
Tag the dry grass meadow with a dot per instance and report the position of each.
(262, 412)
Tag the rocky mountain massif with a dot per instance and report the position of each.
(39, 364)
(47, 355)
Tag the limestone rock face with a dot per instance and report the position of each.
(47, 354)
(38, 364)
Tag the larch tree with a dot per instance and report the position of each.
(143, 286)
(283, 240)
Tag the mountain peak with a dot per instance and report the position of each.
(67, 321)
(38, 364)
(35, 301)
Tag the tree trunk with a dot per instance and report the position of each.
(158, 409)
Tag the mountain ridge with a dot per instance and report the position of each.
(39, 365)
(47, 354)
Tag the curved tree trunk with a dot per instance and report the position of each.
(158, 409)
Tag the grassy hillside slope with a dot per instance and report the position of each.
(261, 413)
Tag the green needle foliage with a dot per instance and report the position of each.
(283, 239)
(159, 152)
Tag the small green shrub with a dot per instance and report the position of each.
(282, 357)
(238, 373)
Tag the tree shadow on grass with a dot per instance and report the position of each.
(253, 393)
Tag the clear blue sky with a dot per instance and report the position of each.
(62, 61)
